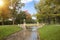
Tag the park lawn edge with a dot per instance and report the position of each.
(12, 31)
(50, 32)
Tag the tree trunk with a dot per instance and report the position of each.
(13, 21)
(2, 21)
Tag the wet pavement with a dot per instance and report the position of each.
(29, 34)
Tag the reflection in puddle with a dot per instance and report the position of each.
(32, 34)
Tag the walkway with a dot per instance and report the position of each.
(30, 34)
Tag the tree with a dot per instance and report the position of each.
(7, 13)
(48, 10)
(20, 17)
(23, 15)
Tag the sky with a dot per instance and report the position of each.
(29, 6)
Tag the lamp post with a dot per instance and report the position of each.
(24, 24)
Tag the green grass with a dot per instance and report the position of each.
(50, 32)
(8, 30)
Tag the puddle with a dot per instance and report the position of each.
(32, 34)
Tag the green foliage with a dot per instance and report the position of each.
(24, 15)
(20, 17)
(48, 10)
(7, 12)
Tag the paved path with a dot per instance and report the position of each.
(30, 34)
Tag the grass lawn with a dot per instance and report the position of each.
(50, 32)
(8, 30)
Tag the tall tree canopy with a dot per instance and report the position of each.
(6, 11)
(23, 15)
(48, 10)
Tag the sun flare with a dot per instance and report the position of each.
(1, 3)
